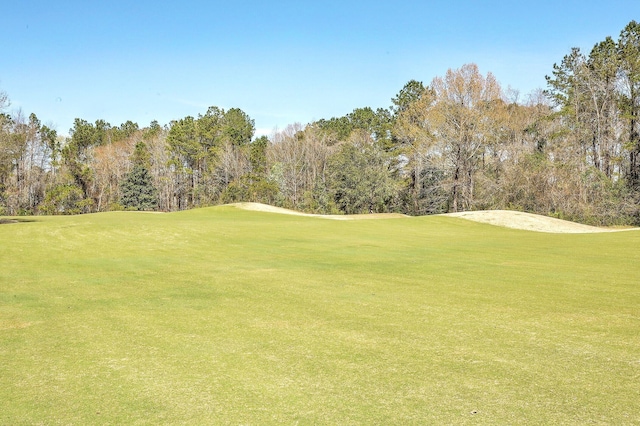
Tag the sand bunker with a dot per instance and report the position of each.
(505, 218)
(271, 209)
(530, 222)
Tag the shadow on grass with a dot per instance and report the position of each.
(4, 221)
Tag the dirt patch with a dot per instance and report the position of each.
(5, 221)
(530, 222)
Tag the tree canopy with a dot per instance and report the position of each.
(459, 143)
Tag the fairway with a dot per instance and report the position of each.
(226, 316)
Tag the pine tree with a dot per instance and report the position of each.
(138, 192)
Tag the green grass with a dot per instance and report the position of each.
(223, 316)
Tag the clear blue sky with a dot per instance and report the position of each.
(279, 61)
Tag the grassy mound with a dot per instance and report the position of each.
(220, 315)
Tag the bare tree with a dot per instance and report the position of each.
(297, 159)
(462, 122)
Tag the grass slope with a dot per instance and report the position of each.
(224, 316)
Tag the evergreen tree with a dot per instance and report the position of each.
(138, 192)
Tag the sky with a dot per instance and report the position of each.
(281, 62)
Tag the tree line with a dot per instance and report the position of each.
(462, 142)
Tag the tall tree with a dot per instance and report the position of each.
(463, 120)
(424, 172)
(77, 152)
(205, 150)
(237, 128)
(408, 95)
(138, 192)
(360, 176)
(585, 90)
(377, 124)
(110, 164)
(629, 51)
(602, 70)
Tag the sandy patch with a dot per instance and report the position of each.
(530, 222)
(271, 209)
(505, 218)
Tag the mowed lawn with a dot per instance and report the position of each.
(225, 316)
